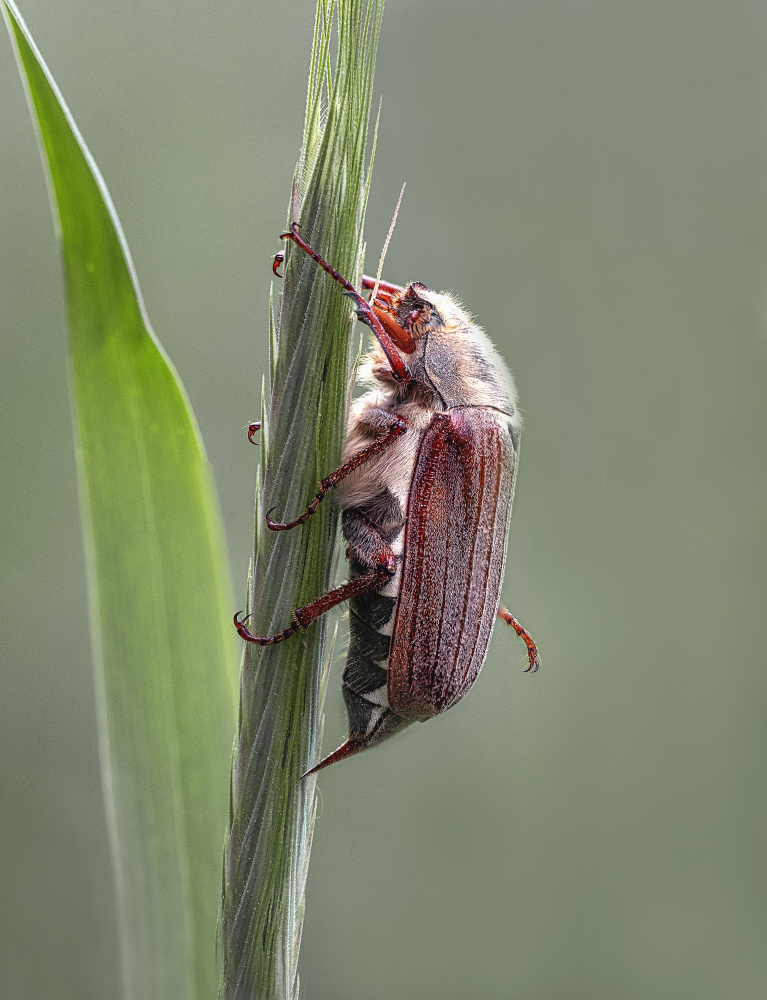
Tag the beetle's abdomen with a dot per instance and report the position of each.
(364, 684)
(371, 618)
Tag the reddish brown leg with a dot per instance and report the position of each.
(382, 301)
(342, 472)
(532, 652)
(311, 612)
(383, 298)
(263, 640)
(391, 325)
(278, 259)
(386, 287)
(253, 428)
(364, 310)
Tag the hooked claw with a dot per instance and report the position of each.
(272, 524)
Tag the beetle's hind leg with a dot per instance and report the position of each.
(302, 617)
(532, 652)
(396, 427)
(379, 563)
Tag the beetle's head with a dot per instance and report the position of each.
(417, 312)
(452, 354)
(445, 350)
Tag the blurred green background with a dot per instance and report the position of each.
(590, 177)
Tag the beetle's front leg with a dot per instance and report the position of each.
(385, 288)
(395, 427)
(532, 653)
(364, 310)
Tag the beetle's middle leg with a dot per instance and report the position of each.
(384, 419)
(532, 653)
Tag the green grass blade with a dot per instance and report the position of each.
(165, 655)
(282, 688)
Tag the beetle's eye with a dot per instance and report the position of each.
(411, 319)
(416, 312)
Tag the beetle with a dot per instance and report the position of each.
(425, 490)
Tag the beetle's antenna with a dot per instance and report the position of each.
(386, 244)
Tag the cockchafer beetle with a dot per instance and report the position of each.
(425, 491)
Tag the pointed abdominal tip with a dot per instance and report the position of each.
(347, 749)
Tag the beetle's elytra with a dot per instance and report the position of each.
(425, 490)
